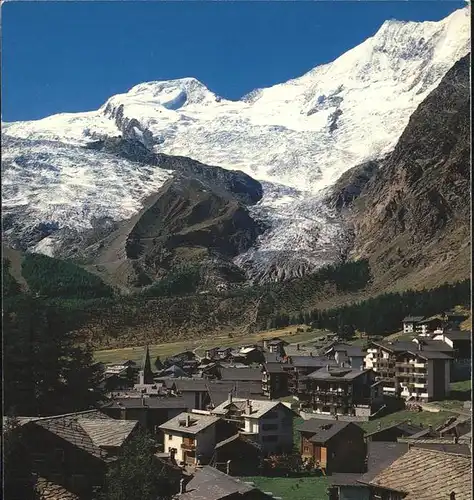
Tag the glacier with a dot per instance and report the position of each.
(297, 138)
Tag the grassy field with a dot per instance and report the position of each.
(425, 418)
(200, 345)
(289, 488)
(460, 392)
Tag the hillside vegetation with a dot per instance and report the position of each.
(335, 298)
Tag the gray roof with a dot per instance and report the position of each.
(335, 374)
(273, 368)
(241, 374)
(219, 392)
(431, 444)
(91, 431)
(405, 346)
(456, 335)
(351, 350)
(198, 423)
(323, 430)
(210, 484)
(405, 427)
(380, 455)
(192, 384)
(259, 406)
(237, 437)
(173, 370)
(428, 354)
(151, 402)
(300, 350)
(310, 361)
(413, 319)
(424, 474)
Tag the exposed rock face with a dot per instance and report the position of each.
(412, 218)
(244, 187)
(187, 221)
(351, 184)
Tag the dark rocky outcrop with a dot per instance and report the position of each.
(351, 184)
(242, 186)
(186, 222)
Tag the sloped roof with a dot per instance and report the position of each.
(211, 484)
(406, 427)
(274, 368)
(198, 423)
(152, 402)
(413, 319)
(87, 430)
(380, 455)
(336, 374)
(428, 474)
(241, 374)
(106, 433)
(323, 430)
(237, 437)
(259, 407)
(311, 361)
(47, 490)
(456, 335)
(351, 350)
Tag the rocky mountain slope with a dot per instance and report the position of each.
(69, 174)
(188, 222)
(411, 216)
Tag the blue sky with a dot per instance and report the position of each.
(71, 56)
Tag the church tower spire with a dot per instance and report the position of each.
(145, 373)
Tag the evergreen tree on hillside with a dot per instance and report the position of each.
(47, 368)
(137, 474)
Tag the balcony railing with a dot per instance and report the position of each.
(188, 445)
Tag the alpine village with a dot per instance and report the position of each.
(230, 324)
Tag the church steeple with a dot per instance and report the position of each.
(145, 373)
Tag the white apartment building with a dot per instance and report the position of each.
(192, 437)
(269, 423)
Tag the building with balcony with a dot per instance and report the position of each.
(300, 366)
(346, 355)
(268, 423)
(410, 323)
(418, 370)
(342, 391)
(274, 380)
(192, 436)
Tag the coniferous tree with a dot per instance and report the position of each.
(137, 474)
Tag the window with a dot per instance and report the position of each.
(170, 437)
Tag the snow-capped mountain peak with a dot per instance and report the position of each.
(296, 137)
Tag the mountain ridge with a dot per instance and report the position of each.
(295, 139)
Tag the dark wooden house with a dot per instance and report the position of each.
(333, 446)
(237, 455)
(74, 451)
(393, 432)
